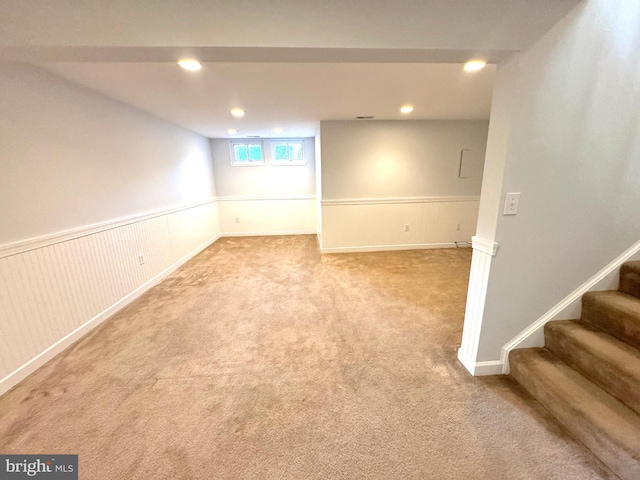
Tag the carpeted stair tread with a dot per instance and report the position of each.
(603, 424)
(614, 312)
(611, 364)
(630, 278)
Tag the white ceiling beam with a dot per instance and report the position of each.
(487, 25)
(246, 55)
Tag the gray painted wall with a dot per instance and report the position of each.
(70, 157)
(262, 180)
(386, 159)
(571, 145)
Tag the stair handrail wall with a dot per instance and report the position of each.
(570, 306)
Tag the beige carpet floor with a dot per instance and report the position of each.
(262, 359)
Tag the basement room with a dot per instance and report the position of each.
(319, 240)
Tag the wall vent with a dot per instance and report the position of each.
(253, 136)
(365, 117)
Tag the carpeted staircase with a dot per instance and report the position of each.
(588, 374)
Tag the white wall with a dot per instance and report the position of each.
(71, 158)
(265, 199)
(378, 176)
(573, 150)
(87, 185)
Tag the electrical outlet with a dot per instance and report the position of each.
(237, 220)
(458, 226)
(141, 259)
(406, 227)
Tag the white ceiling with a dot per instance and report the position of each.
(289, 63)
(293, 96)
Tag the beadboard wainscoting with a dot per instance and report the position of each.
(252, 216)
(359, 225)
(55, 289)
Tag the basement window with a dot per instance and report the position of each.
(247, 153)
(287, 152)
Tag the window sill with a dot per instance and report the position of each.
(248, 164)
(288, 163)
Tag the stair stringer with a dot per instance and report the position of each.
(569, 307)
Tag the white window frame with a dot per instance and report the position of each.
(287, 141)
(247, 163)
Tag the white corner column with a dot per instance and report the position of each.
(483, 253)
(484, 248)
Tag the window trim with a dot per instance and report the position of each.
(287, 141)
(248, 163)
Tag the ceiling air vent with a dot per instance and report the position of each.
(365, 117)
(253, 136)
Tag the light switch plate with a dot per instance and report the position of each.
(511, 203)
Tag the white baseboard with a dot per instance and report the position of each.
(268, 233)
(246, 198)
(533, 335)
(479, 369)
(493, 367)
(39, 360)
(386, 248)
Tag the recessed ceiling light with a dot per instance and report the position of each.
(232, 131)
(406, 109)
(474, 65)
(190, 64)
(278, 130)
(237, 112)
